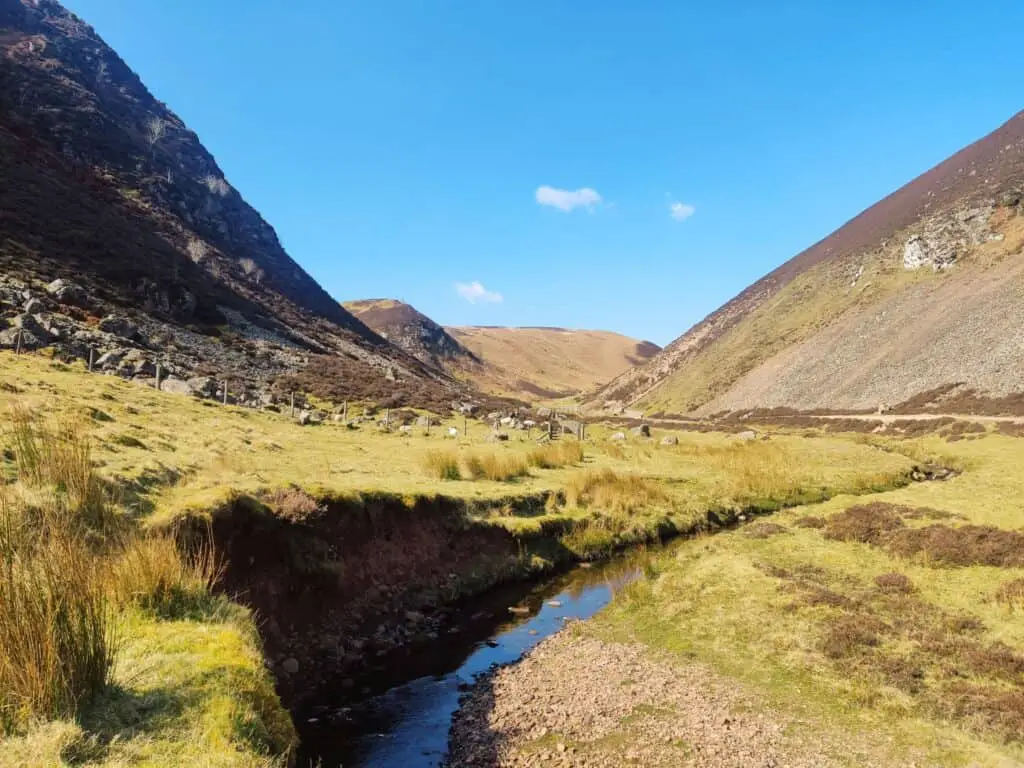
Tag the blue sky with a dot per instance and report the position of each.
(517, 163)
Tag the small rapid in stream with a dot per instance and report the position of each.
(408, 723)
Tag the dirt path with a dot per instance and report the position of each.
(886, 418)
(578, 701)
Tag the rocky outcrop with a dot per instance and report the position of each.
(114, 211)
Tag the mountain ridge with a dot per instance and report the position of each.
(964, 207)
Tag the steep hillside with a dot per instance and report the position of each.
(162, 259)
(548, 362)
(411, 330)
(919, 293)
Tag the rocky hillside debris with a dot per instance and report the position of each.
(946, 239)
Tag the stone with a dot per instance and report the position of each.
(747, 436)
(134, 363)
(203, 386)
(670, 440)
(506, 421)
(68, 293)
(34, 307)
(117, 325)
(110, 360)
(305, 418)
(9, 339)
(618, 437)
(405, 429)
(290, 666)
(31, 324)
(176, 387)
(497, 437)
(453, 432)
(642, 431)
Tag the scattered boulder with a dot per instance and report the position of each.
(618, 437)
(203, 386)
(453, 432)
(117, 325)
(747, 436)
(405, 429)
(506, 421)
(175, 386)
(34, 306)
(9, 339)
(134, 363)
(497, 437)
(670, 440)
(31, 324)
(643, 430)
(68, 293)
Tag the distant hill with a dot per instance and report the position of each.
(545, 363)
(919, 297)
(527, 363)
(106, 188)
(411, 330)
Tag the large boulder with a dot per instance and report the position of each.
(68, 293)
(9, 339)
(31, 324)
(670, 440)
(203, 386)
(119, 326)
(134, 364)
(642, 431)
(176, 386)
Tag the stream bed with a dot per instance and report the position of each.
(407, 723)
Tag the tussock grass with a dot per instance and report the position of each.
(442, 465)
(613, 493)
(556, 455)
(57, 643)
(153, 573)
(501, 467)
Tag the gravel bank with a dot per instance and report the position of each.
(582, 702)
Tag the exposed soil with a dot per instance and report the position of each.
(583, 702)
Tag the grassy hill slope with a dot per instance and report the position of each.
(913, 294)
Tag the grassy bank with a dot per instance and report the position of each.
(185, 676)
(889, 630)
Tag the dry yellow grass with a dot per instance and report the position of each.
(547, 363)
(852, 638)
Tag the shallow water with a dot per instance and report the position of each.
(408, 724)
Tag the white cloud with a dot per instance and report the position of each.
(475, 293)
(566, 200)
(681, 211)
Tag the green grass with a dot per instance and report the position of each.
(113, 649)
(189, 683)
(849, 637)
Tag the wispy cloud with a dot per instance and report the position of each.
(681, 211)
(566, 199)
(475, 293)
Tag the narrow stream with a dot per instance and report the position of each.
(408, 724)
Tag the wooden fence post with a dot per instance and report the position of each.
(17, 347)
(157, 382)
(293, 405)
(387, 418)
(92, 355)
(344, 412)
(225, 391)
(428, 425)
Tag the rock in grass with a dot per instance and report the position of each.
(618, 437)
(670, 440)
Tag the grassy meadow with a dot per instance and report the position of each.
(173, 674)
(892, 629)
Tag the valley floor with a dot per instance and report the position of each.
(846, 633)
(818, 623)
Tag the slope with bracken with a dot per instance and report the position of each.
(161, 260)
(919, 294)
